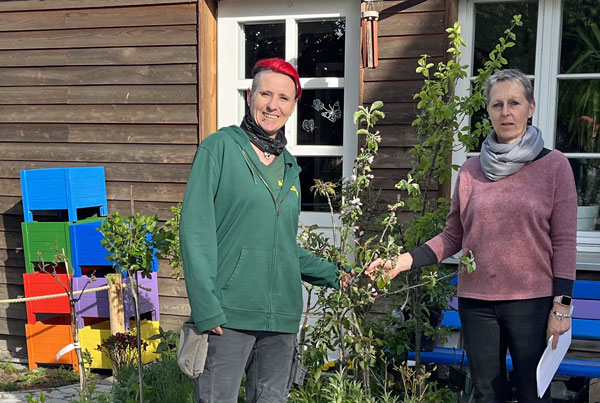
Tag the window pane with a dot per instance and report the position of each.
(324, 168)
(320, 119)
(580, 47)
(578, 116)
(263, 41)
(321, 48)
(491, 19)
(587, 181)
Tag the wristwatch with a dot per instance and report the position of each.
(563, 300)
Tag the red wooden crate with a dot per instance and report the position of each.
(37, 284)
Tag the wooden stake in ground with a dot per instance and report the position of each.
(115, 303)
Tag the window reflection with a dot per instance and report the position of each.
(324, 168)
(587, 182)
(263, 41)
(320, 117)
(490, 21)
(578, 117)
(321, 48)
(580, 45)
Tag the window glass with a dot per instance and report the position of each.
(321, 48)
(491, 19)
(263, 41)
(320, 117)
(578, 112)
(324, 168)
(317, 137)
(587, 182)
(580, 42)
(578, 116)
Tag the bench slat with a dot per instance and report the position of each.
(582, 308)
(582, 328)
(585, 289)
(586, 326)
(454, 356)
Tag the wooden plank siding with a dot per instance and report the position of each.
(406, 31)
(111, 83)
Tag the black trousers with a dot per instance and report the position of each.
(492, 327)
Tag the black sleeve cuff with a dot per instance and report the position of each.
(422, 256)
(562, 286)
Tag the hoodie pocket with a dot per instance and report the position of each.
(287, 285)
(246, 289)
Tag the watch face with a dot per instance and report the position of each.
(565, 300)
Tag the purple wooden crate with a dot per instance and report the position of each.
(148, 297)
(95, 304)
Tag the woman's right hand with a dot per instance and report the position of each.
(217, 330)
(402, 263)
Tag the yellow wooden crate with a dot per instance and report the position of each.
(93, 335)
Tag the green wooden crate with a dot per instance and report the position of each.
(47, 237)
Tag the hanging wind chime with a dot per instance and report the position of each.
(369, 42)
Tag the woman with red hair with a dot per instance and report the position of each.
(243, 267)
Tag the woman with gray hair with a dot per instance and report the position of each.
(514, 207)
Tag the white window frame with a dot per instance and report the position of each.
(231, 82)
(547, 61)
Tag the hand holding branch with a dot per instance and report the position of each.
(393, 267)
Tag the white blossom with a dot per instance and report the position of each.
(355, 202)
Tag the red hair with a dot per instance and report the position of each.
(279, 66)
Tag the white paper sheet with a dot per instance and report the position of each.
(550, 361)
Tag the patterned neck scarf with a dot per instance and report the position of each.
(261, 139)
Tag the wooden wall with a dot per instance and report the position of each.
(407, 29)
(110, 83)
(117, 83)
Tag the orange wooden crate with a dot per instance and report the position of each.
(46, 338)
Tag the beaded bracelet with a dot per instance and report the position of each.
(559, 316)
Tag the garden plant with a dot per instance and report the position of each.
(367, 366)
(61, 261)
(131, 243)
(342, 324)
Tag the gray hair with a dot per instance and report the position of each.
(509, 75)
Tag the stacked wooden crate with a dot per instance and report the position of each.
(63, 210)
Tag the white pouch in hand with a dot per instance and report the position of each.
(192, 350)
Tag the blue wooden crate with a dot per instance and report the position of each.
(87, 249)
(63, 189)
(86, 246)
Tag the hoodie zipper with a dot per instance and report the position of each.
(247, 158)
(275, 249)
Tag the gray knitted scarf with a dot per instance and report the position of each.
(500, 160)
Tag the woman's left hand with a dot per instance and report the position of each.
(556, 326)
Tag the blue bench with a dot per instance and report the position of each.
(585, 326)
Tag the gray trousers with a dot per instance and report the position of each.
(265, 357)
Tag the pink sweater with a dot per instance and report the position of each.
(522, 229)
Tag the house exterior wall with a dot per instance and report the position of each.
(117, 83)
(110, 83)
(407, 30)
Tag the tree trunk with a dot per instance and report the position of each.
(82, 377)
(135, 294)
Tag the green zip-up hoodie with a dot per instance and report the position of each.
(242, 264)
